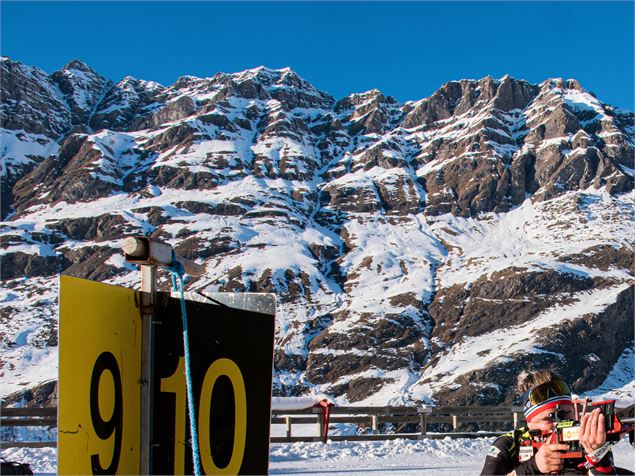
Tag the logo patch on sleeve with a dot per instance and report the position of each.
(525, 453)
(493, 451)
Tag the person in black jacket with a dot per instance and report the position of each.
(544, 392)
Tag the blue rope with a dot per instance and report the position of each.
(177, 271)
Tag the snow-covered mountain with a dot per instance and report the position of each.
(424, 251)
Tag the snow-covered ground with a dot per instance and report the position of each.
(429, 457)
(458, 456)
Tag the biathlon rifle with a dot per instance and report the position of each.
(568, 431)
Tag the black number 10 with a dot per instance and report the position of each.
(105, 428)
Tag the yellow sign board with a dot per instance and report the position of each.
(99, 379)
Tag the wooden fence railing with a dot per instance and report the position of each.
(12, 417)
(373, 417)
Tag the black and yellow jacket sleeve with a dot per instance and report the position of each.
(503, 457)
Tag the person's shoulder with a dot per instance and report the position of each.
(502, 444)
(505, 438)
(502, 455)
(510, 442)
(514, 435)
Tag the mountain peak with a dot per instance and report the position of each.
(561, 83)
(146, 84)
(372, 93)
(266, 74)
(78, 65)
(282, 79)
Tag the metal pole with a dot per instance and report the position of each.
(148, 301)
(149, 254)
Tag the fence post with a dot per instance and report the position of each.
(287, 421)
(519, 415)
(320, 425)
(455, 422)
(423, 418)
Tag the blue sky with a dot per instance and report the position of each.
(407, 49)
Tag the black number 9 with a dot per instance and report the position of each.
(105, 428)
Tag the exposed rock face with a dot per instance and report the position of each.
(34, 113)
(511, 297)
(44, 395)
(591, 346)
(420, 251)
(604, 257)
(83, 90)
(122, 104)
(18, 264)
(584, 342)
(173, 111)
(31, 101)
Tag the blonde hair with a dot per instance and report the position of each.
(529, 380)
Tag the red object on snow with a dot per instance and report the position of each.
(326, 416)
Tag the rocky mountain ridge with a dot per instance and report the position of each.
(393, 234)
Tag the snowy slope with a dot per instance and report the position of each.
(425, 251)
